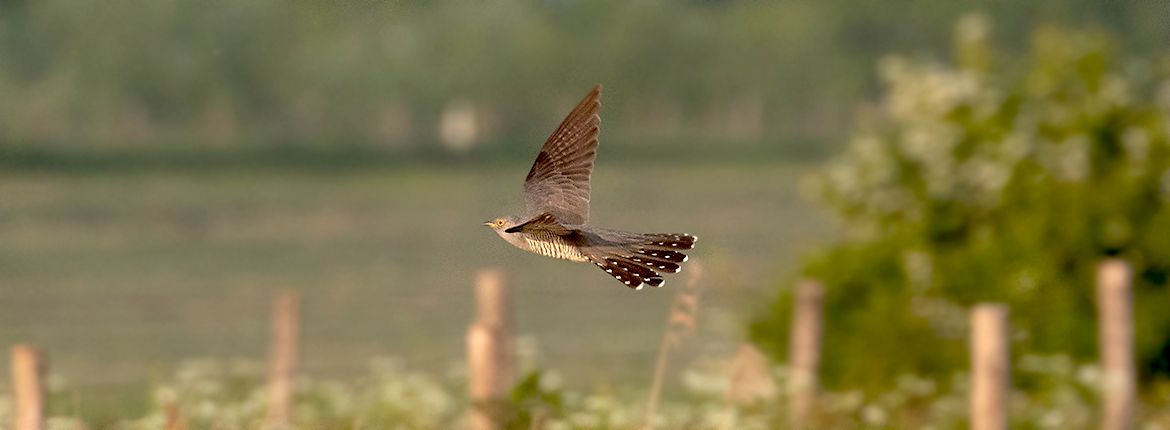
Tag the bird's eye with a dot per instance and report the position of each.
(500, 222)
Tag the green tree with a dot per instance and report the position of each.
(994, 179)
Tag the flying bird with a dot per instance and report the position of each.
(556, 197)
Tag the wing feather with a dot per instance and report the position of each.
(558, 182)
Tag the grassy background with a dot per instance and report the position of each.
(121, 275)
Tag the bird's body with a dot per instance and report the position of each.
(556, 193)
(552, 245)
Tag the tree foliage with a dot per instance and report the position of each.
(995, 179)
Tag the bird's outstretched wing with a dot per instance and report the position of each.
(558, 182)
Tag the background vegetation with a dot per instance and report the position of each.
(166, 165)
(997, 179)
(196, 77)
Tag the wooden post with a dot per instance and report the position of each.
(28, 390)
(805, 352)
(174, 419)
(490, 352)
(1115, 310)
(282, 356)
(990, 367)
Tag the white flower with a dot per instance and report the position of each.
(972, 27)
(1089, 375)
(1053, 419)
(1164, 185)
(551, 380)
(63, 423)
(1114, 91)
(1069, 159)
(1136, 142)
(874, 415)
(584, 419)
(916, 386)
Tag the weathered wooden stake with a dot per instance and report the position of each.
(28, 390)
(282, 356)
(990, 367)
(174, 419)
(1115, 310)
(805, 351)
(490, 351)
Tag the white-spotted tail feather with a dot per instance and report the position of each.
(639, 261)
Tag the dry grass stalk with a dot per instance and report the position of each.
(490, 351)
(282, 363)
(1115, 309)
(805, 352)
(682, 321)
(28, 390)
(990, 367)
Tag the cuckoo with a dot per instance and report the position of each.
(556, 197)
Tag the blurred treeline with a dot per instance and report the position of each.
(401, 78)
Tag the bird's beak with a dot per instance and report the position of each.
(487, 223)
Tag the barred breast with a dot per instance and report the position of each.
(554, 246)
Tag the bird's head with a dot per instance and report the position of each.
(502, 223)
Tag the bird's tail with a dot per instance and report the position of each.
(636, 259)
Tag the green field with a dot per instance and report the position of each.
(121, 275)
